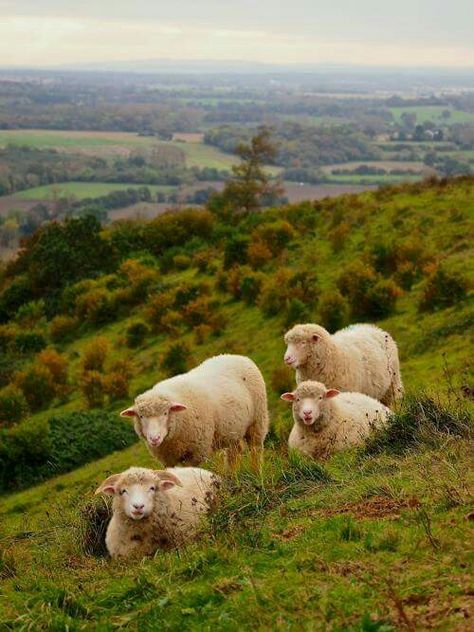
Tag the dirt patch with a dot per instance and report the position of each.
(302, 192)
(373, 507)
(289, 534)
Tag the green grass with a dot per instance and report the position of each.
(433, 113)
(373, 179)
(81, 190)
(366, 542)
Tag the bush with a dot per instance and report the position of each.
(176, 359)
(91, 384)
(339, 235)
(251, 286)
(235, 251)
(62, 328)
(296, 312)
(333, 311)
(36, 450)
(170, 323)
(202, 260)
(37, 385)
(31, 313)
(97, 306)
(369, 294)
(258, 254)
(283, 380)
(116, 385)
(442, 289)
(13, 406)
(276, 235)
(56, 363)
(29, 342)
(202, 333)
(421, 420)
(136, 334)
(156, 308)
(181, 261)
(95, 354)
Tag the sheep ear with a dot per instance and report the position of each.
(176, 408)
(288, 397)
(108, 486)
(315, 338)
(167, 480)
(332, 392)
(129, 412)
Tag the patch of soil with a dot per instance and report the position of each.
(373, 507)
(290, 533)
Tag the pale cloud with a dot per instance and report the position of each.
(70, 32)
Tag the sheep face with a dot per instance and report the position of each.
(152, 422)
(135, 491)
(302, 342)
(309, 400)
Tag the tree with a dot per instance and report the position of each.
(250, 185)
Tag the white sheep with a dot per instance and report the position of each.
(156, 509)
(326, 421)
(215, 405)
(359, 358)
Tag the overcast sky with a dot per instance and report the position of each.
(375, 32)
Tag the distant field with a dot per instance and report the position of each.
(373, 179)
(115, 143)
(380, 164)
(82, 190)
(433, 113)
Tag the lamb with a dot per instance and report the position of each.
(326, 421)
(360, 358)
(215, 405)
(156, 509)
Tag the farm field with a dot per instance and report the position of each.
(381, 164)
(433, 113)
(82, 190)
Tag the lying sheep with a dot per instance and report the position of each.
(216, 405)
(360, 358)
(156, 509)
(327, 421)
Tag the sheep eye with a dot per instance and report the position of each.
(152, 488)
(122, 492)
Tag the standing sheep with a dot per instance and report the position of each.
(216, 405)
(360, 358)
(327, 421)
(156, 509)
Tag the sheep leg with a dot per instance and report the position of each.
(234, 454)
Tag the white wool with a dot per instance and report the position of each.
(360, 358)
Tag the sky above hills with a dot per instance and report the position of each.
(367, 32)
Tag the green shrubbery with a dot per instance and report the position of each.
(442, 289)
(34, 450)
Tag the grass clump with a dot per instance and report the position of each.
(421, 420)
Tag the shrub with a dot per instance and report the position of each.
(339, 235)
(202, 260)
(296, 312)
(188, 292)
(181, 262)
(258, 254)
(56, 363)
(31, 313)
(97, 306)
(7, 338)
(202, 333)
(442, 289)
(13, 406)
(36, 450)
(276, 235)
(235, 251)
(37, 385)
(282, 380)
(369, 295)
(116, 385)
(176, 359)
(62, 328)
(170, 322)
(136, 334)
(95, 354)
(421, 420)
(91, 384)
(251, 286)
(333, 311)
(29, 342)
(139, 279)
(157, 307)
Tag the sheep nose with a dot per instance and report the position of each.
(155, 440)
(308, 413)
(137, 506)
(288, 359)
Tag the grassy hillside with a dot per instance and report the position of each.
(82, 190)
(371, 540)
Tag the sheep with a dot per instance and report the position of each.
(326, 421)
(361, 358)
(156, 509)
(217, 404)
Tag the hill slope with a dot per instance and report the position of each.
(370, 541)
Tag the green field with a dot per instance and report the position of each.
(360, 543)
(372, 179)
(433, 113)
(81, 190)
(114, 143)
